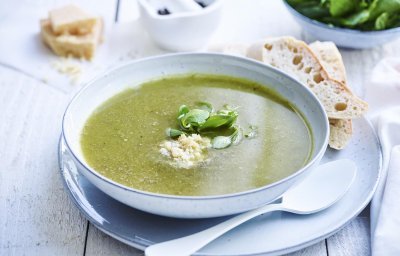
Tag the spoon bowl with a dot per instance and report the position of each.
(322, 188)
(326, 185)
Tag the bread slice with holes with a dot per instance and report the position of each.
(341, 130)
(331, 59)
(297, 59)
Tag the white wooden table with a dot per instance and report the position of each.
(36, 215)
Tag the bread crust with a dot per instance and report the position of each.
(297, 59)
(330, 62)
(341, 130)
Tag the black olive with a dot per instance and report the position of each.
(164, 11)
(201, 3)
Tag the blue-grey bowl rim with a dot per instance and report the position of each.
(339, 29)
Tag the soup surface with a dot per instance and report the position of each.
(121, 139)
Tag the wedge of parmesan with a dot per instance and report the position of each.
(80, 46)
(71, 19)
(297, 59)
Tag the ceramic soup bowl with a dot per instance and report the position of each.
(135, 73)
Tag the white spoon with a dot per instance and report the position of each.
(319, 190)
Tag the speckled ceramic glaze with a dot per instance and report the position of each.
(343, 37)
(135, 73)
(272, 234)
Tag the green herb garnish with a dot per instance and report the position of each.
(205, 120)
(220, 142)
(363, 15)
(192, 120)
(174, 133)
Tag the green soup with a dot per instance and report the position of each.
(121, 139)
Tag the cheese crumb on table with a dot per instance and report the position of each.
(186, 151)
(68, 67)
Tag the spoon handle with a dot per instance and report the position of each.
(187, 245)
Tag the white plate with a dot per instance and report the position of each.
(270, 234)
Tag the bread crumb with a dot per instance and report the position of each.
(186, 151)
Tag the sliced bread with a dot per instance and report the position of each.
(341, 130)
(331, 59)
(298, 60)
(340, 133)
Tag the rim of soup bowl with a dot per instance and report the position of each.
(92, 82)
(339, 29)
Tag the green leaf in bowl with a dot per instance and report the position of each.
(194, 118)
(221, 142)
(338, 8)
(382, 21)
(174, 133)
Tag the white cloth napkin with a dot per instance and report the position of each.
(383, 95)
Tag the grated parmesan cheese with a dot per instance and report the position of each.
(186, 151)
(68, 67)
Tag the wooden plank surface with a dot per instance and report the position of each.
(36, 215)
(101, 244)
(318, 249)
(351, 240)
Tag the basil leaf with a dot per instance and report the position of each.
(380, 6)
(382, 21)
(216, 121)
(232, 114)
(183, 110)
(355, 19)
(338, 8)
(313, 12)
(237, 136)
(221, 142)
(205, 106)
(394, 21)
(194, 118)
(205, 121)
(174, 133)
(364, 15)
(223, 118)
